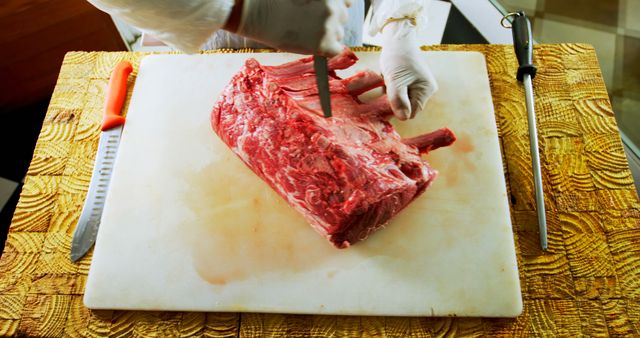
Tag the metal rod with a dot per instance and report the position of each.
(535, 160)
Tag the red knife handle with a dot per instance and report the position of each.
(116, 93)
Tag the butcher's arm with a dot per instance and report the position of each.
(312, 27)
(407, 76)
(183, 24)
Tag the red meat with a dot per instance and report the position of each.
(348, 175)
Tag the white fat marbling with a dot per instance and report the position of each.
(187, 226)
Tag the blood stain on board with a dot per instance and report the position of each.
(464, 143)
(461, 163)
(241, 228)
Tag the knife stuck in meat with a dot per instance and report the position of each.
(322, 80)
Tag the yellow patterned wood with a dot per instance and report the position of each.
(588, 283)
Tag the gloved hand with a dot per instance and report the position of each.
(299, 26)
(406, 75)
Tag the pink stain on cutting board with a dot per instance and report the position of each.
(464, 143)
(460, 164)
(242, 228)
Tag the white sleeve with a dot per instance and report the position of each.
(182, 24)
(387, 9)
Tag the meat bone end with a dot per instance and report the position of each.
(425, 143)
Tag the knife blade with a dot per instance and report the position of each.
(322, 80)
(86, 230)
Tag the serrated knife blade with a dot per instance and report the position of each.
(86, 231)
(87, 228)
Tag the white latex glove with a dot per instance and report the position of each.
(407, 77)
(299, 26)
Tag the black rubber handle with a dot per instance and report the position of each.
(523, 45)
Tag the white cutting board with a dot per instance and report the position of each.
(186, 226)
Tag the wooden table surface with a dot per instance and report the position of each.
(587, 283)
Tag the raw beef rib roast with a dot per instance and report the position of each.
(348, 174)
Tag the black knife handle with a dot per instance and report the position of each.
(523, 45)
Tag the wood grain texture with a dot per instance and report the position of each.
(588, 283)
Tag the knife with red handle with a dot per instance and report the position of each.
(112, 123)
